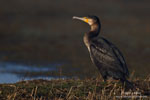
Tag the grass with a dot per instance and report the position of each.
(74, 89)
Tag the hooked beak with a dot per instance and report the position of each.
(81, 18)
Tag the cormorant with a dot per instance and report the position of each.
(105, 55)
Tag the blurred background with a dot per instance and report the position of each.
(39, 39)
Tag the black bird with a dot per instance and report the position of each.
(105, 55)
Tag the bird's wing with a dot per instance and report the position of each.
(108, 54)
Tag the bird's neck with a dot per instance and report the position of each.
(94, 31)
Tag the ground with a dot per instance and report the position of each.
(73, 89)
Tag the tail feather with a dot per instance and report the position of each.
(128, 84)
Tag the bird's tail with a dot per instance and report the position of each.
(128, 84)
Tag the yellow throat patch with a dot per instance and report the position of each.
(86, 19)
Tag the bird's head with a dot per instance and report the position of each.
(88, 19)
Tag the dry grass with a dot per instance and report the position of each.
(74, 89)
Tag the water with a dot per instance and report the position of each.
(11, 72)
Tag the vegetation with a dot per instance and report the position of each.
(74, 89)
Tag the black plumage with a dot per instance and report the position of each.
(105, 55)
(108, 59)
